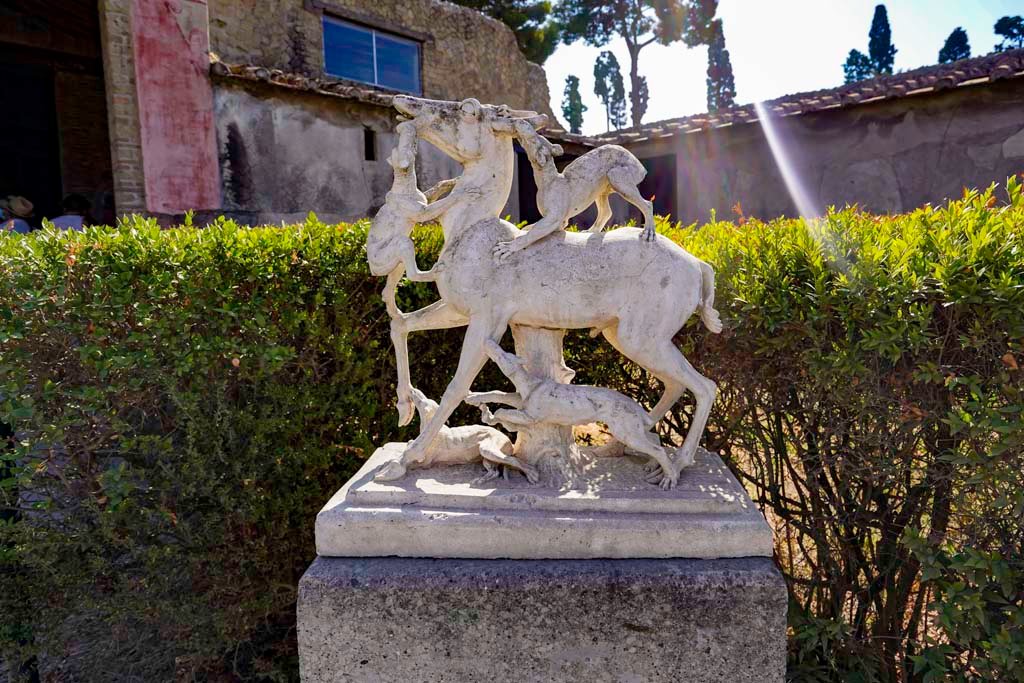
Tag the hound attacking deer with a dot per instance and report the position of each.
(637, 288)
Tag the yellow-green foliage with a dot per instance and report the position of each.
(185, 400)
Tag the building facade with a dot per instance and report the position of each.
(264, 110)
(888, 144)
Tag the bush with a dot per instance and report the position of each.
(185, 401)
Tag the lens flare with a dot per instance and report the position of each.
(797, 190)
(806, 205)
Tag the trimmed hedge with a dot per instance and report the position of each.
(184, 402)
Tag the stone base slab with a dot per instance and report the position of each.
(400, 619)
(616, 514)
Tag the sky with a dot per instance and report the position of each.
(778, 47)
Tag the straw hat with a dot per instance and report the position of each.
(17, 206)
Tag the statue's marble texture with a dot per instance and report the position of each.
(634, 287)
(630, 561)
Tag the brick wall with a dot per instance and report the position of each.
(466, 55)
(122, 106)
(84, 143)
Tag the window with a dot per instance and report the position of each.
(369, 144)
(370, 56)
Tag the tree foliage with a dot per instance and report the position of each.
(721, 85)
(530, 20)
(881, 52)
(572, 104)
(1011, 28)
(872, 396)
(880, 48)
(956, 47)
(639, 23)
(857, 67)
(184, 401)
(608, 87)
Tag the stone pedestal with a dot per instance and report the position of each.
(613, 514)
(541, 582)
(410, 620)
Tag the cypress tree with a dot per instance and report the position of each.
(608, 86)
(721, 84)
(572, 104)
(880, 47)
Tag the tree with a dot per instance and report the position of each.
(880, 47)
(1012, 31)
(956, 47)
(639, 23)
(857, 67)
(572, 104)
(608, 87)
(536, 34)
(881, 52)
(642, 97)
(721, 85)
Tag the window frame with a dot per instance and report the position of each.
(373, 31)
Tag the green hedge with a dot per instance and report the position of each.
(185, 400)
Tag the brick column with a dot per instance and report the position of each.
(122, 106)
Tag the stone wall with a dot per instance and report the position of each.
(285, 153)
(84, 143)
(465, 54)
(887, 156)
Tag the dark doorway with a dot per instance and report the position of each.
(53, 121)
(29, 147)
(660, 183)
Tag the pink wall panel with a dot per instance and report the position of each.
(179, 152)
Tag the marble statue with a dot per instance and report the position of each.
(635, 288)
(590, 178)
(466, 445)
(389, 245)
(540, 399)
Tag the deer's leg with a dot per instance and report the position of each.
(664, 359)
(623, 181)
(471, 361)
(673, 390)
(604, 213)
(436, 316)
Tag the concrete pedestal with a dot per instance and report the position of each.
(409, 619)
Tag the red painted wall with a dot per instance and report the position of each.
(172, 65)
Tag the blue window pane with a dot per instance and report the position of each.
(348, 51)
(398, 64)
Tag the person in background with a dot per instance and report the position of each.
(76, 209)
(14, 212)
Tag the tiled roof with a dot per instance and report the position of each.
(323, 86)
(928, 79)
(343, 89)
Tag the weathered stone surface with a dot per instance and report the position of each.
(288, 35)
(616, 514)
(922, 149)
(389, 619)
(284, 154)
